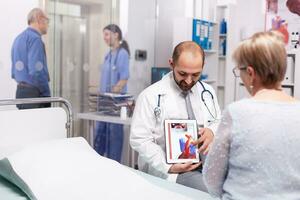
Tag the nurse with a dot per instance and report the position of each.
(114, 76)
(164, 100)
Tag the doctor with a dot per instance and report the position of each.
(164, 100)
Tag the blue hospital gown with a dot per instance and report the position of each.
(255, 153)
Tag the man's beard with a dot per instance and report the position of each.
(183, 85)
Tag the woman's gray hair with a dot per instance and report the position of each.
(265, 52)
(34, 14)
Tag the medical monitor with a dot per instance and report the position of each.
(158, 72)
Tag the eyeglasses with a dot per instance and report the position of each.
(237, 71)
(46, 20)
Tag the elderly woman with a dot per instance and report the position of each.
(255, 153)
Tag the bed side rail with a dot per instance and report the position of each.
(66, 103)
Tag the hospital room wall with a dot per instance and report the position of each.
(141, 36)
(168, 11)
(152, 31)
(13, 20)
(144, 32)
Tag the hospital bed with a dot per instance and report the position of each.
(41, 160)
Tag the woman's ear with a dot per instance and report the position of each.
(251, 74)
(250, 71)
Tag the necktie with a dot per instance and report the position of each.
(186, 95)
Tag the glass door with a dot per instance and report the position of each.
(76, 49)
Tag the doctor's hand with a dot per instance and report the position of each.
(183, 167)
(206, 138)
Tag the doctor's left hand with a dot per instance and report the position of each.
(206, 138)
(183, 167)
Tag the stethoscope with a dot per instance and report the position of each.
(113, 67)
(214, 116)
(116, 59)
(157, 109)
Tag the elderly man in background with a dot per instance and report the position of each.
(29, 63)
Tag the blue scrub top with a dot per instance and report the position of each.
(29, 62)
(114, 69)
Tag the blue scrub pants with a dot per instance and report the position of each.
(109, 140)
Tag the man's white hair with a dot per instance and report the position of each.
(34, 14)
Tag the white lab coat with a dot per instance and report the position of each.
(147, 132)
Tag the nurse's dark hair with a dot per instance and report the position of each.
(116, 29)
(187, 46)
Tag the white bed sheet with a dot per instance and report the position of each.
(71, 169)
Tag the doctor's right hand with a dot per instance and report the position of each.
(183, 167)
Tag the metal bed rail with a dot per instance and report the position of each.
(66, 103)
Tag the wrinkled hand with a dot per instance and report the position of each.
(206, 138)
(183, 167)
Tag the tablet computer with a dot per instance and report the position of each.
(179, 135)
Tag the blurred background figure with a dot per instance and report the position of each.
(114, 76)
(29, 63)
(272, 6)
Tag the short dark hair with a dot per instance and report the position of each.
(187, 46)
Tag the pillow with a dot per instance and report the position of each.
(70, 169)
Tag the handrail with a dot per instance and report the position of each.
(69, 125)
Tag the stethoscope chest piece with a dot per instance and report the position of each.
(157, 109)
(157, 112)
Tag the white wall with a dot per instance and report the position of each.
(151, 28)
(168, 10)
(140, 35)
(13, 20)
(251, 17)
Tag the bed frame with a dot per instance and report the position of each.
(20, 128)
(66, 103)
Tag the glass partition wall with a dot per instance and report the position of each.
(76, 48)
